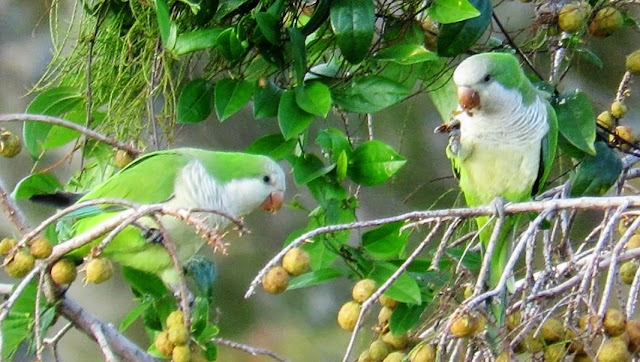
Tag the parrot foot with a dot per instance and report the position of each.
(191, 299)
(153, 235)
(498, 206)
(453, 129)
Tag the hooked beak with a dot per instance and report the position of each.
(273, 202)
(468, 98)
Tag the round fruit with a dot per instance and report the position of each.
(633, 331)
(582, 357)
(6, 245)
(463, 326)
(588, 322)
(468, 291)
(384, 315)
(296, 261)
(633, 62)
(363, 290)
(41, 248)
(575, 342)
(348, 315)
(178, 335)
(394, 357)
(554, 352)
(626, 135)
(181, 354)
(378, 350)
(628, 271)
(552, 331)
(98, 270)
(613, 350)
(504, 357)
(122, 158)
(633, 242)
(614, 322)
(573, 16)
(9, 143)
(63, 272)
(396, 341)
(513, 320)
(618, 109)
(423, 353)
(276, 280)
(606, 120)
(387, 302)
(162, 343)
(624, 223)
(175, 319)
(364, 357)
(20, 265)
(533, 344)
(606, 21)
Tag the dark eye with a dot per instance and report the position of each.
(266, 179)
(487, 78)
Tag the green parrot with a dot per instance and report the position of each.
(230, 182)
(504, 141)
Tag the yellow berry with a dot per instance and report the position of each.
(633, 331)
(276, 280)
(618, 109)
(582, 357)
(364, 357)
(387, 301)
(178, 335)
(463, 326)
(554, 352)
(20, 265)
(378, 350)
(633, 62)
(9, 143)
(41, 248)
(363, 290)
(606, 120)
(384, 315)
(613, 350)
(468, 291)
(624, 223)
(423, 353)
(162, 343)
(181, 354)
(122, 158)
(399, 341)
(573, 16)
(625, 134)
(63, 272)
(575, 342)
(633, 242)
(175, 319)
(614, 322)
(533, 344)
(396, 356)
(6, 245)
(504, 357)
(606, 21)
(513, 320)
(98, 270)
(348, 315)
(627, 271)
(552, 331)
(296, 261)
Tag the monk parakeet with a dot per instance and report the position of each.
(506, 140)
(233, 183)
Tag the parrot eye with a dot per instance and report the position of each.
(266, 179)
(486, 78)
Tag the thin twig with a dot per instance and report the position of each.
(53, 341)
(12, 211)
(249, 349)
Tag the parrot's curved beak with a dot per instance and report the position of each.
(468, 98)
(273, 202)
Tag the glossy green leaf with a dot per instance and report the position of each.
(369, 94)
(199, 315)
(133, 315)
(456, 38)
(576, 120)
(315, 277)
(334, 141)
(452, 11)
(373, 162)
(406, 54)
(227, 7)
(266, 100)
(298, 53)
(273, 145)
(385, 242)
(342, 166)
(203, 273)
(52, 102)
(405, 289)
(60, 136)
(16, 328)
(36, 184)
(195, 102)
(230, 46)
(144, 283)
(292, 119)
(196, 40)
(353, 23)
(443, 91)
(206, 12)
(314, 97)
(309, 167)
(269, 25)
(595, 175)
(405, 317)
(318, 18)
(168, 29)
(231, 95)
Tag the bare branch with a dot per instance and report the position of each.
(249, 349)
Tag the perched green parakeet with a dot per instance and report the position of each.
(233, 183)
(505, 144)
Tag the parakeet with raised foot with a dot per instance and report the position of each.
(503, 141)
(230, 182)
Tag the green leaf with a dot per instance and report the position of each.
(203, 272)
(595, 175)
(309, 167)
(456, 38)
(231, 95)
(60, 136)
(168, 29)
(405, 317)
(353, 23)
(576, 120)
(269, 25)
(133, 315)
(298, 53)
(385, 242)
(36, 184)
(406, 54)
(373, 162)
(405, 289)
(266, 100)
(342, 166)
(314, 97)
(230, 46)
(144, 283)
(443, 93)
(451, 11)
(228, 6)
(273, 145)
(52, 102)
(333, 140)
(315, 277)
(196, 40)
(291, 118)
(369, 94)
(195, 102)
(199, 315)
(207, 10)
(16, 328)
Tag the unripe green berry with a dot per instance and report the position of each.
(348, 315)
(633, 62)
(423, 353)
(614, 322)
(178, 335)
(378, 350)
(388, 301)
(618, 109)
(396, 356)
(63, 272)
(296, 261)
(399, 341)
(181, 354)
(20, 265)
(627, 271)
(122, 158)
(10, 144)
(41, 248)
(175, 319)
(6, 245)
(613, 350)
(573, 16)
(605, 22)
(98, 270)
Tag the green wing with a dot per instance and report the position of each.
(547, 152)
